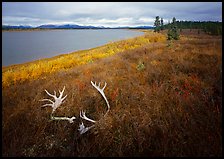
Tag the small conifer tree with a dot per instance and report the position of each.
(157, 24)
(173, 32)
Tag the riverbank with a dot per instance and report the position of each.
(32, 70)
(165, 100)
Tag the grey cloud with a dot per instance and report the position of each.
(107, 13)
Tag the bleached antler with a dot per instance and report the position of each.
(58, 100)
(82, 129)
(102, 93)
(83, 116)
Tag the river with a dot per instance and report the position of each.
(25, 46)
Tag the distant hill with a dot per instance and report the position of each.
(142, 27)
(66, 26)
(136, 27)
(71, 26)
(16, 27)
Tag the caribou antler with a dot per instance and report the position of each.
(102, 93)
(58, 100)
(82, 129)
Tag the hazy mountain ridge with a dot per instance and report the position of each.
(70, 26)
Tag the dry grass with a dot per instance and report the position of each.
(165, 101)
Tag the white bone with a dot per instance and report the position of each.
(82, 129)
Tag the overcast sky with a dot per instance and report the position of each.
(107, 13)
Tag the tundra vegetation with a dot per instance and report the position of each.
(165, 100)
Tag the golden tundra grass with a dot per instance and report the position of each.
(165, 101)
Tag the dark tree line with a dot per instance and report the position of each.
(212, 28)
(175, 27)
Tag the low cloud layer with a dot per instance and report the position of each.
(107, 14)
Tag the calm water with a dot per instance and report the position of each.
(20, 47)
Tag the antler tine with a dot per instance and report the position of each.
(47, 100)
(61, 92)
(104, 86)
(46, 105)
(83, 116)
(84, 113)
(54, 96)
(80, 114)
(63, 98)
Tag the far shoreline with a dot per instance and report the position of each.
(55, 29)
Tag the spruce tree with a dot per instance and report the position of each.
(173, 31)
(157, 24)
